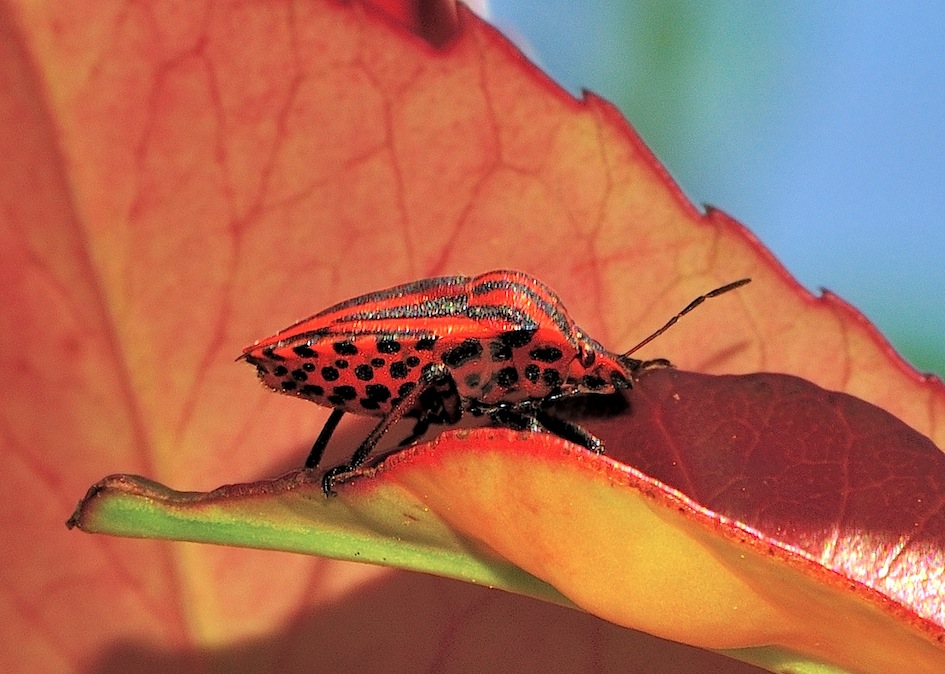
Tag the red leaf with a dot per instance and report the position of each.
(814, 473)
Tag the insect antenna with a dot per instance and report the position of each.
(689, 307)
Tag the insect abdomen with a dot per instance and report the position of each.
(365, 374)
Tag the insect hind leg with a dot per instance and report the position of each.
(436, 377)
(321, 442)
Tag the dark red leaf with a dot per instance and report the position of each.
(814, 472)
(434, 20)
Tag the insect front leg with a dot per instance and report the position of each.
(439, 404)
(528, 416)
(434, 377)
(570, 431)
(521, 418)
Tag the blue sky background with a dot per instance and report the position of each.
(820, 126)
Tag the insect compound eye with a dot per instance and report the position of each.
(630, 364)
(619, 381)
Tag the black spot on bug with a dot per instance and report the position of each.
(312, 390)
(341, 363)
(399, 370)
(551, 377)
(260, 370)
(499, 350)
(345, 392)
(593, 382)
(289, 385)
(303, 351)
(516, 339)
(378, 362)
(369, 404)
(345, 348)
(405, 388)
(388, 345)
(269, 353)
(377, 392)
(330, 374)
(532, 372)
(299, 375)
(425, 344)
(364, 372)
(338, 401)
(472, 380)
(280, 370)
(308, 367)
(469, 350)
(546, 354)
(507, 377)
(412, 361)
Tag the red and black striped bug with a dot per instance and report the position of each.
(500, 344)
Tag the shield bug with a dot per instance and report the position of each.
(499, 344)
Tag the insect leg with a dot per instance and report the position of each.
(440, 404)
(516, 419)
(318, 449)
(532, 418)
(570, 431)
(435, 376)
(419, 429)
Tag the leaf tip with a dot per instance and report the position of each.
(77, 517)
(113, 484)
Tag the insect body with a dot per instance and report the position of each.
(500, 344)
